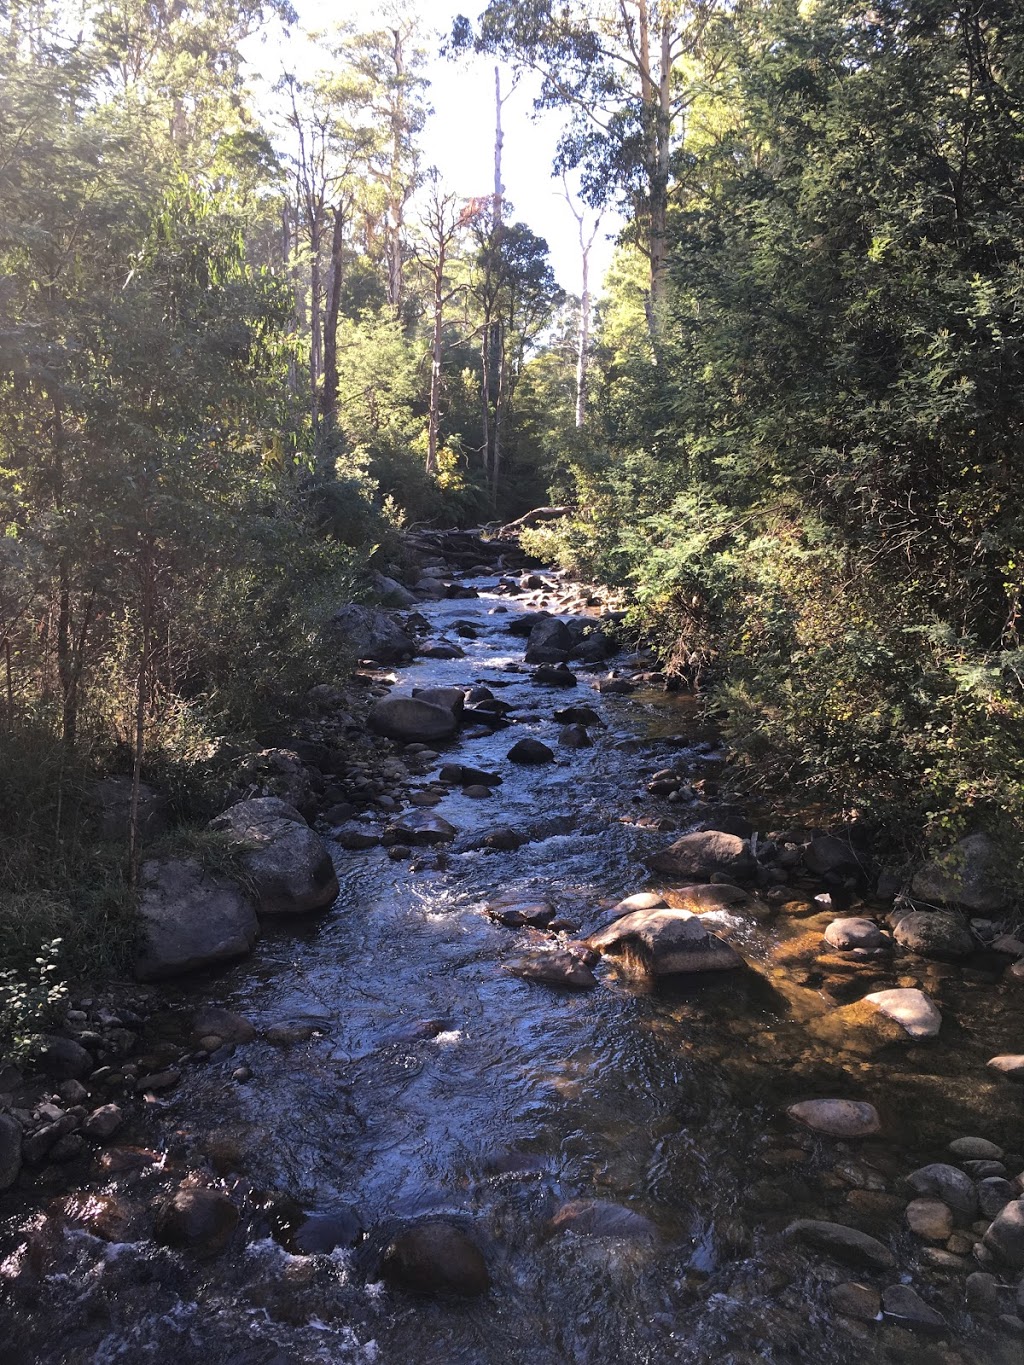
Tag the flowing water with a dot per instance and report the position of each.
(437, 1083)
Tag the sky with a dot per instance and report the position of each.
(459, 136)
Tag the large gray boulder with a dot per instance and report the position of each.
(410, 720)
(289, 864)
(371, 634)
(968, 874)
(190, 918)
(391, 592)
(664, 943)
(701, 856)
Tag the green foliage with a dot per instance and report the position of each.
(30, 1002)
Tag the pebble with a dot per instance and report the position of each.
(838, 1118)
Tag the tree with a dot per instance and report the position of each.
(619, 67)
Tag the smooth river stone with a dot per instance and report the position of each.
(1005, 1236)
(838, 1118)
(855, 932)
(930, 1219)
(1010, 1064)
(948, 1183)
(664, 943)
(910, 1008)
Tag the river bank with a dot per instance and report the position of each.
(396, 1098)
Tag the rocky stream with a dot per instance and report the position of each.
(524, 1044)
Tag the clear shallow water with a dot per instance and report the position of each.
(437, 1083)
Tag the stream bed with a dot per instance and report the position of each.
(438, 1084)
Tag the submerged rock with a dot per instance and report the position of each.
(600, 1218)
(196, 1219)
(704, 855)
(838, 1118)
(842, 1242)
(557, 968)
(665, 943)
(190, 918)
(437, 1257)
(858, 1301)
(288, 862)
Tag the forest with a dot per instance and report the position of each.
(246, 344)
(512, 721)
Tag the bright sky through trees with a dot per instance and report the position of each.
(459, 136)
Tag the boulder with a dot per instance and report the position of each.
(968, 874)
(574, 737)
(449, 698)
(10, 1150)
(280, 773)
(549, 642)
(64, 1059)
(704, 855)
(112, 798)
(880, 1019)
(948, 1183)
(523, 625)
(198, 1220)
(664, 943)
(1005, 1236)
(411, 720)
(828, 856)
(288, 863)
(391, 592)
(855, 932)
(437, 1257)
(939, 934)
(838, 1118)
(530, 752)
(842, 1242)
(190, 918)
(371, 634)
(601, 1218)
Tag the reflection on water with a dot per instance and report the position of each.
(435, 1082)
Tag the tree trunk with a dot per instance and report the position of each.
(140, 713)
(330, 395)
(583, 349)
(435, 357)
(396, 192)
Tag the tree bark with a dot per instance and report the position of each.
(330, 393)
